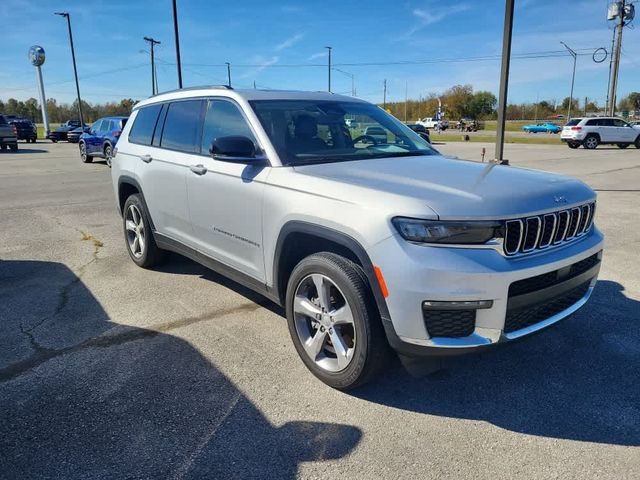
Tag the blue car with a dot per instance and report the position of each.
(542, 128)
(101, 138)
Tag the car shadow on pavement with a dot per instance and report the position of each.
(577, 381)
(26, 150)
(82, 396)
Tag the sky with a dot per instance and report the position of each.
(433, 43)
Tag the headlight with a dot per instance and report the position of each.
(437, 231)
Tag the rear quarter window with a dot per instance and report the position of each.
(144, 125)
(573, 121)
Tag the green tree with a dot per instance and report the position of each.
(482, 104)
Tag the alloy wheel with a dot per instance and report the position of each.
(324, 322)
(135, 231)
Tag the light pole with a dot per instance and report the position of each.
(504, 81)
(573, 78)
(177, 37)
(228, 73)
(73, 57)
(329, 68)
(152, 42)
(352, 76)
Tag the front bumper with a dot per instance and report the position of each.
(418, 273)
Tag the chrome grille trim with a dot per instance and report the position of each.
(550, 217)
(567, 225)
(538, 225)
(521, 232)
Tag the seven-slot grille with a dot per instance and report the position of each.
(524, 235)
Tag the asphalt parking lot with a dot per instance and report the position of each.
(111, 371)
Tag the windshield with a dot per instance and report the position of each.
(315, 131)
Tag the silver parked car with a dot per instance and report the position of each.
(366, 244)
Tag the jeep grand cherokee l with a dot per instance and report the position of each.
(366, 243)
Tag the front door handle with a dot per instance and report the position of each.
(198, 169)
(146, 158)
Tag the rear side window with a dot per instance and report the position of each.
(144, 125)
(573, 122)
(593, 123)
(182, 126)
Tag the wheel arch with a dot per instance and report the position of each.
(298, 239)
(128, 186)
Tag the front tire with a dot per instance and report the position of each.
(591, 142)
(138, 236)
(84, 156)
(333, 321)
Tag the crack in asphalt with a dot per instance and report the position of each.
(42, 354)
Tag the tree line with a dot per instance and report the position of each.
(459, 101)
(61, 112)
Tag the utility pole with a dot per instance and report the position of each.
(504, 81)
(406, 99)
(153, 43)
(75, 70)
(616, 61)
(229, 74)
(573, 78)
(177, 37)
(586, 100)
(329, 69)
(384, 95)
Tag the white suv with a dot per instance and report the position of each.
(366, 241)
(591, 132)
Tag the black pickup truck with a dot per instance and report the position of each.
(25, 129)
(8, 135)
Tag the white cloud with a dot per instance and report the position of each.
(289, 42)
(315, 56)
(262, 64)
(434, 15)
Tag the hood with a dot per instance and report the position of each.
(459, 189)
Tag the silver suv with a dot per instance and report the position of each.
(367, 242)
(591, 132)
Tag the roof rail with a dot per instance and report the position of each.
(200, 87)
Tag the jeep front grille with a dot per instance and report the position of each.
(537, 232)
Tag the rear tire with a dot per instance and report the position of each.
(344, 312)
(13, 148)
(637, 142)
(138, 234)
(591, 142)
(108, 152)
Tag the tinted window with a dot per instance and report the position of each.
(2, 120)
(96, 126)
(106, 126)
(605, 122)
(182, 126)
(574, 121)
(619, 123)
(222, 120)
(592, 123)
(144, 125)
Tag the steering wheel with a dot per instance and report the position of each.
(362, 137)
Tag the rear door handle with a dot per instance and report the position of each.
(146, 158)
(198, 169)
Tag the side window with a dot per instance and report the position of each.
(106, 126)
(223, 119)
(593, 123)
(182, 126)
(606, 122)
(144, 125)
(619, 123)
(96, 126)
